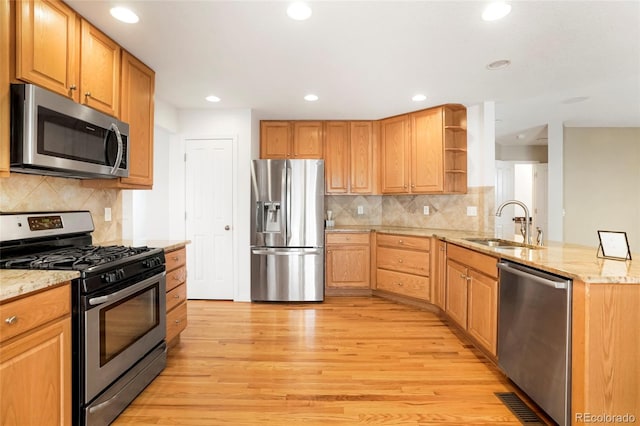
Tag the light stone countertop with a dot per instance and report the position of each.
(18, 282)
(569, 260)
(167, 245)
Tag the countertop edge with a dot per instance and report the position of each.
(20, 282)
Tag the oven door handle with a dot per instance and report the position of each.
(95, 301)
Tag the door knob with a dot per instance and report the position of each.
(226, 227)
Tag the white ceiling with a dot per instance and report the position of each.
(366, 59)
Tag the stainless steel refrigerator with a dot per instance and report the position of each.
(287, 230)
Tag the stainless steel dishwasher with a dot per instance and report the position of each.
(534, 336)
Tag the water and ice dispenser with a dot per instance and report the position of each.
(269, 216)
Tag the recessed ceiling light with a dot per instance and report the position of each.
(498, 65)
(419, 97)
(311, 97)
(212, 98)
(125, 15)
(575, 100)
(299, 11)
(496, 10)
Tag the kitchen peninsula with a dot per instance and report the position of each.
(605, 336)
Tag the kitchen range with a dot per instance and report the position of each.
(118, 306)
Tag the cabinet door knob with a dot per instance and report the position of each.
(11, 320)
(400, 242)
(463, 276)
(88, 94)
(176, 296)
(400, 261)
(73, 87)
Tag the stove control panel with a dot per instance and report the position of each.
(42, 223)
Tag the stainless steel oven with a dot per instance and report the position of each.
(121, 327)
(118, 306)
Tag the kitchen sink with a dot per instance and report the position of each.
(500, 243)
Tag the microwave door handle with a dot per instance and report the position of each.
(113, 128)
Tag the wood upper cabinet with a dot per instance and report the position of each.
(293, 140)
(307, 140)
(349, 157)
(347, 260)
(35, 359)
(472, 294)
(425, 152)
(5, 144)
(48, 46)
(137, 94)
(99, 70)
(395, 153)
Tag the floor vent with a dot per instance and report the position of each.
(519, 408)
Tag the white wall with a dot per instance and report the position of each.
(239, 125)
(481, 144)
(601, 184)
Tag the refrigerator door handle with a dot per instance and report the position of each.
(287, 251)
(287, 226)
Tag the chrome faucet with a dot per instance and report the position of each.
(527, 217)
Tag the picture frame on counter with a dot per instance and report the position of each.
(614, 245)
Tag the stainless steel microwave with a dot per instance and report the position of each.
(53, 135)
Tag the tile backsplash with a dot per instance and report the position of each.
(445, 211)
(30, 193)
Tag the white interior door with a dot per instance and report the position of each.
(208, 205)
(505, 190)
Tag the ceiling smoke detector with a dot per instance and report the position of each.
(498, 65)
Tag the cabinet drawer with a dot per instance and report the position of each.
(473, 259)
(176, 321)
(403, 241)
(347, 238)
(176, 277)
(176, 296)
(410, 261)
(32, 311)
(401, 283)
(175, 258)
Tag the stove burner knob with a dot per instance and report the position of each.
(152, 262)
(109, 277)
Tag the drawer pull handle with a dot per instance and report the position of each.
(11, 320)
(178, 321)
(176, 296)
(399, 260)
(400, 284)
(400, 242)
(175, 258)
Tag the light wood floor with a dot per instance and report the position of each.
(346, 361)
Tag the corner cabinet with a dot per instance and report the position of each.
(176, 261)
(291, 139)
(5, 144)
(349, 153)
(347, 263)
(425, 152)
(403, 265)
(35, 359)
(472, 294)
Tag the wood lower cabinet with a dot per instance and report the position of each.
(5, 144)
(438, 272)
(403, 265)
(35, 359)
(472, 294)
(176, 264)
(291, 139)
(347, 260)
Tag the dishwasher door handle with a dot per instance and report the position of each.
(531, 274)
